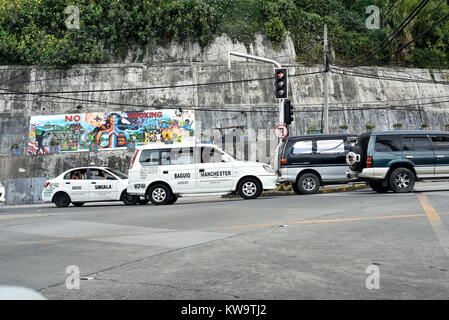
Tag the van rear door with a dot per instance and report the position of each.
(330, 158)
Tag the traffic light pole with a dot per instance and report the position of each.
(281, 101)
(325, 121)
(277, 64)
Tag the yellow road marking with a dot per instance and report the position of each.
(430, 211)
(25, 216)
(69, 239)
(321, 221)
(435, 222)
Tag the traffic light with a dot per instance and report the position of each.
(288, 112)
(281, 83)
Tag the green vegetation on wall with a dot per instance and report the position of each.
(35, 32)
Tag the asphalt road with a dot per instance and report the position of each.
(285, 247)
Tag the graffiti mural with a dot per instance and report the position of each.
(109, 130)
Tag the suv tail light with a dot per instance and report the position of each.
(134, 158)
(46, 184)
(369, 162)
(283, 161)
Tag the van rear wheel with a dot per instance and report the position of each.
(308, 183)
(401, 180)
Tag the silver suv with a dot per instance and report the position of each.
(311, 161)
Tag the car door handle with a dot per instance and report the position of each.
(67, 183)
(93, 183)
(409, 157)
(440, 156)
(165, 172)
(201, 170)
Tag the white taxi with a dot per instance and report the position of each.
(2, 193)
(88, 184)
(163, 173)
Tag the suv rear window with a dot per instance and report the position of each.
(388, 143)
(417, 144)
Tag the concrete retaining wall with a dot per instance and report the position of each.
(251, 106)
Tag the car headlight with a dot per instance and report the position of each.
(268, 168)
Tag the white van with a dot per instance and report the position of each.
(162, 173)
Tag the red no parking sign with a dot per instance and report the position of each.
(281, 131)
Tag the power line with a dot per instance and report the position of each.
(414, 79)
(378, 77)
(151, 88)
(338, 71)
(389, 7)
(266, 109)
(300, 106)
(15, 77)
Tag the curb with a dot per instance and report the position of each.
(345, 188)
(285, 190)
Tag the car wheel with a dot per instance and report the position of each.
(62, 200)
(249, 188)
(130, 199)
(308, 183)
(402, 180)
(377, 186)
(78, 204)
(159, 194)
(173, 199)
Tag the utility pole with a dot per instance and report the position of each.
(325, 120)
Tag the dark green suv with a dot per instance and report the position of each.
(396, 160)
